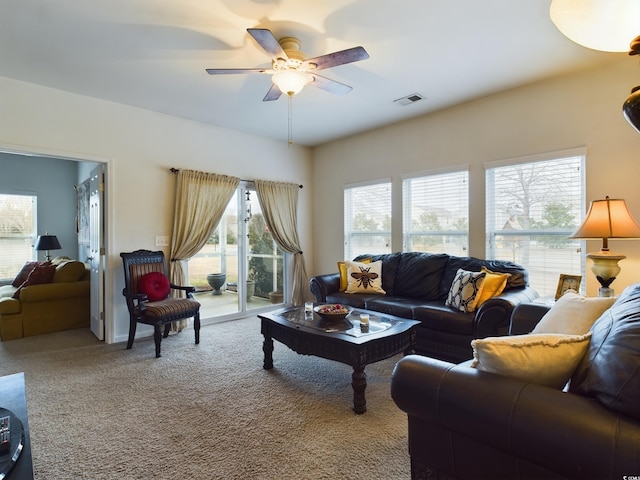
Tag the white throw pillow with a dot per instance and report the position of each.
(548, 359)
(465, 290)
(573, 314)
(364, 277)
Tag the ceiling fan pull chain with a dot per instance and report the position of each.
(290, 131)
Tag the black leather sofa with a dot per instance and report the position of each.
(416, 286)
(469, 424)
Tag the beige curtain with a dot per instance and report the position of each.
(201, 199)
(279, 202)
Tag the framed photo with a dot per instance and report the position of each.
(568, 282)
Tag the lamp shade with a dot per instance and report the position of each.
(48, 242)
(608, 218)
(606, 25)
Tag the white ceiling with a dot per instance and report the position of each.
(152, 54)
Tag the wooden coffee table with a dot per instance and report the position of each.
(343, 341)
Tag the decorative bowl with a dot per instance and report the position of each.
(332, 311)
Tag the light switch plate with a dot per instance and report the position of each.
(162, 241)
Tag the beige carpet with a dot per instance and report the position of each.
(210, 411)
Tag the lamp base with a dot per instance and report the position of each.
(606, 292)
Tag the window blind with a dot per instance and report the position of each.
(531, 209)
(17, 233)
(367, 219)
(436, 213)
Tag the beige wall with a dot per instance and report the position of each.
(139, 147)
(578, 110)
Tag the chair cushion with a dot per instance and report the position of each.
(544, 359)
(172, 308)
(610, 370)
(573, 314)
(154, 285)
(40, 274)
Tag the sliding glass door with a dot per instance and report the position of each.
(240, 268)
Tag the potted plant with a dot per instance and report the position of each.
(276, 297)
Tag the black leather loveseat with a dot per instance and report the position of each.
(466, 423)
(416, 286)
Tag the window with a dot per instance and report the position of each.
(532, 207)
(367, 219)
(436, 213)
(17, 233)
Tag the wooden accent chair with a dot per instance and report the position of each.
(147, 289)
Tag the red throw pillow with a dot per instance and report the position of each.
(154, 285)
(42, 273)
(24, 273)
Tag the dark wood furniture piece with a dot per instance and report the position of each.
(13, 398)
(343, 341)
(157, 313)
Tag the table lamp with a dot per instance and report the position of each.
(48, 242)
(608, 218)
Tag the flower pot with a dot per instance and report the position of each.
(216, 281)
(276, 297)
(251, 289)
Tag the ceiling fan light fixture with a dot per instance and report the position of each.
(604, 25)
(291, 82)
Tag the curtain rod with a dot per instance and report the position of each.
(176, 170)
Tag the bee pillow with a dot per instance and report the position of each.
(364, 277)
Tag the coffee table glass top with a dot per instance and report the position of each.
(350, 325)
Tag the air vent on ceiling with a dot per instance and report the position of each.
(409, 99)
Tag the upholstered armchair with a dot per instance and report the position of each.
(147, 290)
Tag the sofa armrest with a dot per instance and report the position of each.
(323, 285)
(493, 317)
(555, 430)
(525, 317)
(54, 291)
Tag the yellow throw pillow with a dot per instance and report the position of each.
(342, 268)
(364, 277)
(494, 284)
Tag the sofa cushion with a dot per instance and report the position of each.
(573, 314)
(419, 275)
(9, 306)
(390, 262)
(465, 290)
(398, 306)
(69, 271)
(154, 285)
(355, 300)
(364, 277)
(40, 274)
(436, 316)
(548, 359)
(610, 370)
(519, 276)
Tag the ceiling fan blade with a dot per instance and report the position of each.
(273, 94)
(329, 85)
(334, 59)
(268, 42)
(225, 71)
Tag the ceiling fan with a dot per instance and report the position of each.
(289, 69)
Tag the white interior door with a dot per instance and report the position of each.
(97, 250)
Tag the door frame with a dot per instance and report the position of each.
(37, 151)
